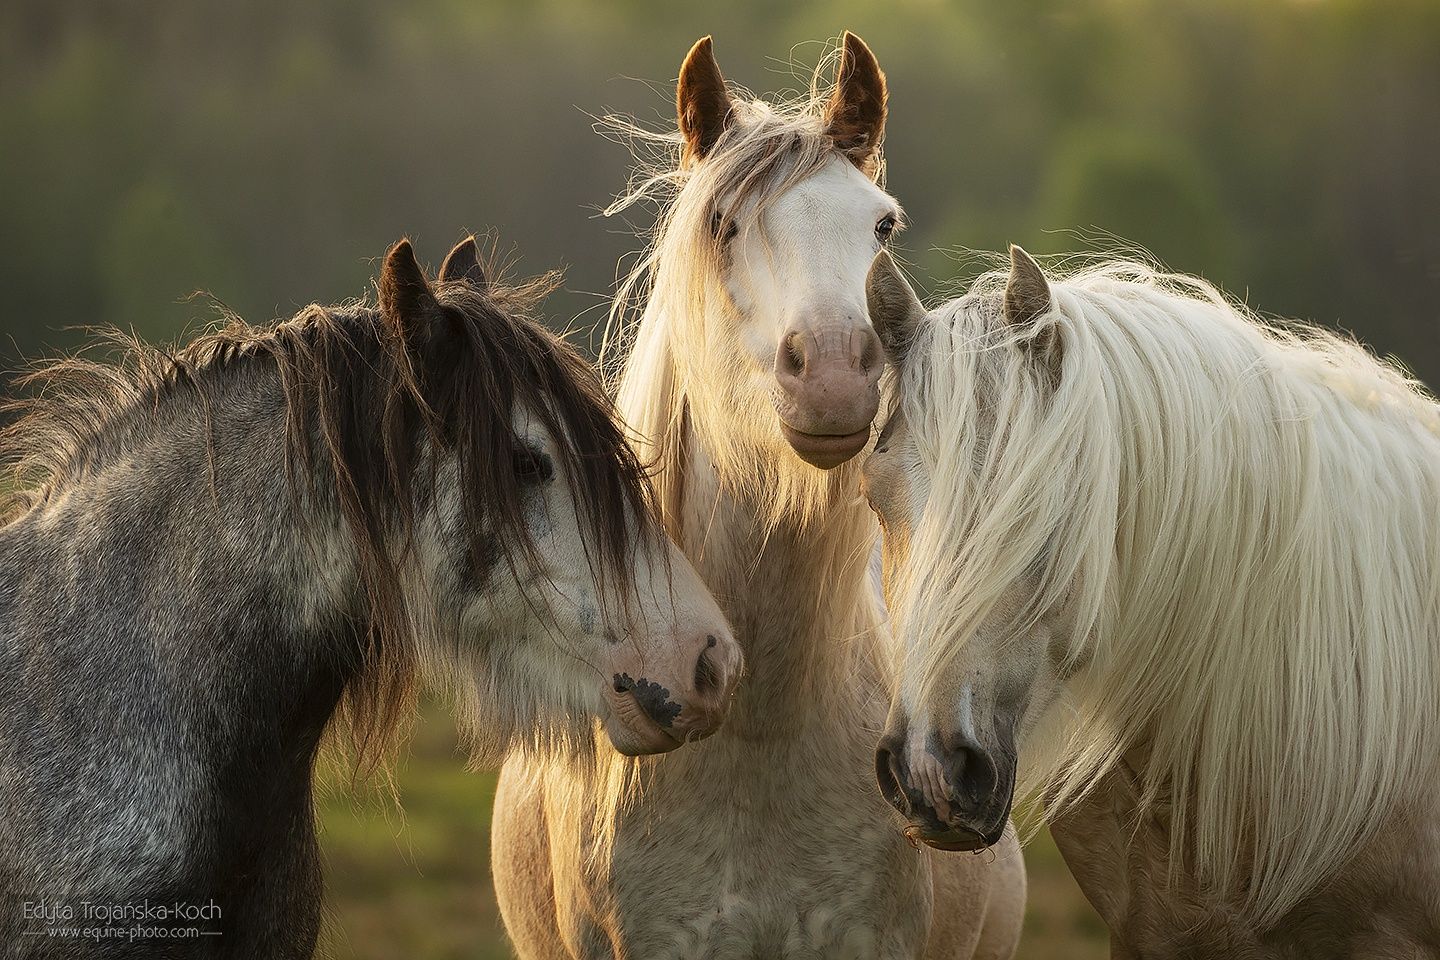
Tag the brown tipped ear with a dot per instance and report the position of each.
(855, 116)
(702, 103)
(895, 311)
(405, 296)
(463, 263)
(1027, 294)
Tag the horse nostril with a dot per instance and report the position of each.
(972, 771)
(706, 678)
(791, 357)
(887, 775)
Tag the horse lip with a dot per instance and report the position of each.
(651, 738)
(955, 838)
(825, 450)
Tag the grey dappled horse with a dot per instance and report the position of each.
(212, 553)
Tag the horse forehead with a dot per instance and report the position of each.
(835, 193)
(527, 423)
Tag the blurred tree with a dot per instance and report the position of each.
(1139, 189)
(155, 253)
(1284, 148)
(72, 140)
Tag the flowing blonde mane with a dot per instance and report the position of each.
(668, 317)
(1242, 518)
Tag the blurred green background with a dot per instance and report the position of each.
(269, 151)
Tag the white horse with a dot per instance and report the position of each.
(1187, 565)
(754, 363)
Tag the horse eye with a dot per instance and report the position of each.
(721, 229)
(885, 228)
(532, 466)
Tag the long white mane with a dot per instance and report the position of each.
(1245, 518)
(663, 350)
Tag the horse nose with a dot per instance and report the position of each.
(717, 669)
(811, 359)
(972, 773)
(829, 378)
(952, 792)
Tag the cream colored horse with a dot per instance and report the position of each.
(1180, 570)
(754, 363)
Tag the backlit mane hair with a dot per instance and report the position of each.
(1242, 516)
(365, 413)
(657, 320)
(657, 340)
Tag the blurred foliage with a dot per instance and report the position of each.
(269, 151)
(1136, 186)
(410, 881)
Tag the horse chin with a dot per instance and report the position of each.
(825, 451)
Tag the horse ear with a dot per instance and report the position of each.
(855, 115)
(1027, 294)
(702, 103)
(405, 296)
(1027, 299)
(895, 311)
(463, 263)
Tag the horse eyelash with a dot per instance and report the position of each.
(721, 229)
(532, 466)
(897, 224)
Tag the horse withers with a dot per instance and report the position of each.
(213, 554)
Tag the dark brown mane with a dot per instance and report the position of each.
(364, 405)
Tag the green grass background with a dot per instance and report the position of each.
(413, 882)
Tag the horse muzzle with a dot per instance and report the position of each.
(657, 713)
(828, 391)
(957, 800)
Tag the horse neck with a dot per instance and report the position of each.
(180, 549)
(156, 654)
(799, 597)
(796, 589)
